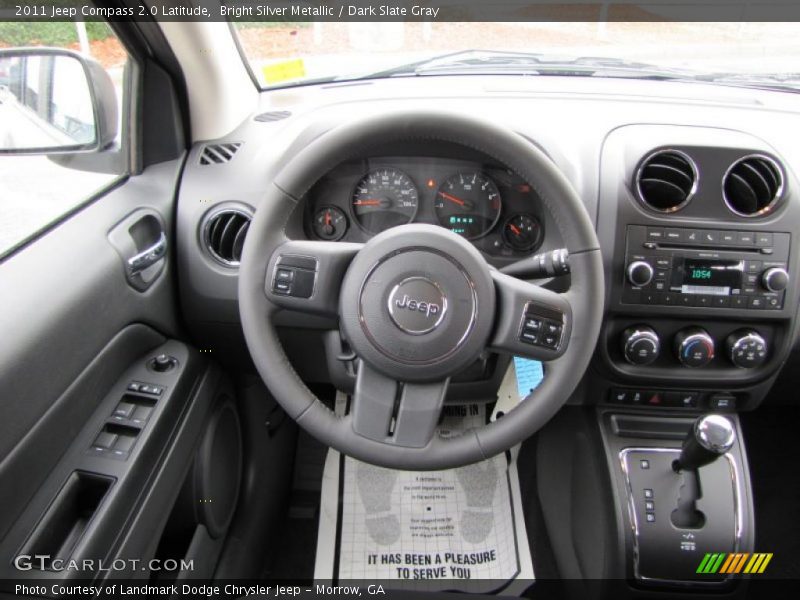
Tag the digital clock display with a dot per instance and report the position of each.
(700, 274)
(715, 277)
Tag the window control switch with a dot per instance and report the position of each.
(124, 410)
(142, 413)
(105, 439)
(124, 443)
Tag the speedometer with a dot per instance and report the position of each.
(468, 204)
(384, 198)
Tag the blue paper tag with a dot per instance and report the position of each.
(529, 375)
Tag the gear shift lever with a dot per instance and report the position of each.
(710, 437)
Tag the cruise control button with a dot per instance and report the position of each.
(529, 337)
(533, 324)
(550, 340)
(284, 275)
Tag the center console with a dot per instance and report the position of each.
(697, 228)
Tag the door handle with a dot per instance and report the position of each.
(148, 256)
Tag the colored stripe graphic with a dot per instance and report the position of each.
(734, 563)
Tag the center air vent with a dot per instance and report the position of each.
(224, 232)
(217, 154)
(752, 185)
(666, 180)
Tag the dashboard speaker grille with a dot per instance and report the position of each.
(224, 234)
(666, 180)
(752, 186)
(217, 154)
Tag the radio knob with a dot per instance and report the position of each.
(747, 349)
(640, 345)
(775, 279)
(694, 347)
(640, 273)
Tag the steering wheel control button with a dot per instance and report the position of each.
(640, 345)
(540, 330)
(747, 349)
(417, 305)
(294, 276)
(694, 347)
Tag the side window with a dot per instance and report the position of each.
(41, 105)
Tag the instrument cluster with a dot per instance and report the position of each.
(486, 204)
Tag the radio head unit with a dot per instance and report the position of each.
(706, 268)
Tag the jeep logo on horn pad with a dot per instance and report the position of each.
(417, 305)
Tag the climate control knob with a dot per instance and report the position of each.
(694, 347)
(775, 279)
(746, 348)
(640, 273)
(640, 345)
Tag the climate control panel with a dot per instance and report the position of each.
(694, 347)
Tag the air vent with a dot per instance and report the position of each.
(666, 180)
(224, 232)
(217, 154)
(273, 115)
(752, 186)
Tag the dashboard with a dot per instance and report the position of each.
(691, 189)
(479, 200)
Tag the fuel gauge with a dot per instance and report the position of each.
(330, 223)
(522, 232)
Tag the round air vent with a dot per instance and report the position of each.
(666, 180)
(224, 232)
(752, 186)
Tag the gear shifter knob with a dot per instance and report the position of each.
(710, 437)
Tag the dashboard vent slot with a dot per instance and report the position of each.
(752, 186)
(224, 233)
(666, 180)
(217, 154)
(273, 115)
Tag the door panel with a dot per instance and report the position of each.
(68, 321)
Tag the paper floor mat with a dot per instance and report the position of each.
(458, 529)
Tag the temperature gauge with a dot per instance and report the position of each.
(330, 223)
(522, 232)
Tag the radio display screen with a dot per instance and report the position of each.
(715, 277)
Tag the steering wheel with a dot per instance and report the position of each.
(417, 303)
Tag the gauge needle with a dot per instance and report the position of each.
(515, 229)
(328, 218)
(368, 202)
(447, 196)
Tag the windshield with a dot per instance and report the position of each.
(282, 54)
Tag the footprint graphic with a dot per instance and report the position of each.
(375, 486)
(479, 482)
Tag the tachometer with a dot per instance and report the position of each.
(384, 198)
(468, 204)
